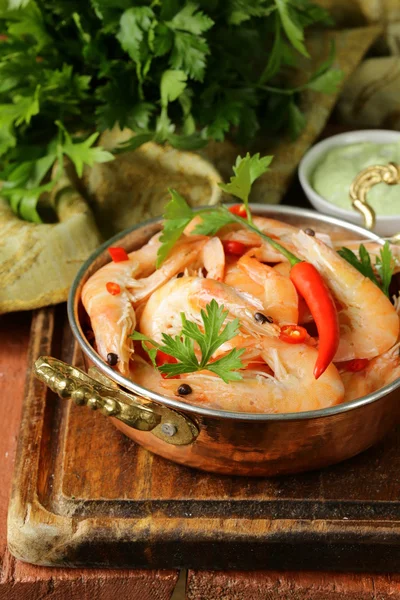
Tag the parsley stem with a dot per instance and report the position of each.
(282, 91)
(248, 212)
(293, 260)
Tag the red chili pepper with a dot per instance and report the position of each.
(113, 288)
(238, 209)
(357, 364)
(235, 248)
(309, 283)
(293, 334)
(162, 358)
(311, 286)
(118, 254)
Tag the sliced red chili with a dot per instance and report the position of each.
(161, 359)
(235, 248)
(357, 364)
(118, 254)
(239, 210)
(293, 334)
(113, 288)
(259, 366)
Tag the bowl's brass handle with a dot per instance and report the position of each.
(389, 174)
(103, 395)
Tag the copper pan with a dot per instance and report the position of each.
(216, 440)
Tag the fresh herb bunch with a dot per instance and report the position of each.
(171, 70)
(208, 338)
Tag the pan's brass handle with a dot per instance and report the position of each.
(103, 395)
(389, 174)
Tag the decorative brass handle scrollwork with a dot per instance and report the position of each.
(103, 395)
(389, 174)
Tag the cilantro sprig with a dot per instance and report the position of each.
(246, 171)
(384, 265)
(170, 71)
(208, 338)
(26, 182)
(178, 213)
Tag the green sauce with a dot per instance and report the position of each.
(333, 176)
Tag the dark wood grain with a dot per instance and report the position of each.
(18, 580)
(85, 495)
(272, 585)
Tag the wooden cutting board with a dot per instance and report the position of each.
(84, 495)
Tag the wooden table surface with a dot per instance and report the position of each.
(25, 582)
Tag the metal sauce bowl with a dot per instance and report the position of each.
(216, 440)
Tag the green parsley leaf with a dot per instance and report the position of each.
(293, 31)
(213, 221)
(326, 79)
(139, 116)
(177, 216)
(22, 111)
(187, 142)
(385, 267)
(189, 125)
(82, 153)
(191, 20)
(28, 22)
(135, 23)
(246, 170)
(189, 54)
(297, 120)
(328, 82)
(362, 264)
(173, 83)
(7, 137)
(163, 39)
(134, 142)
(275, 58)
(208, 338)
(227, 366)
(227, 113)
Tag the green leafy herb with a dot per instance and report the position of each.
(208, 339)
(170, 71)
(212, 221)
(178, 213)
(246, 171)
(177, 216)
(292, 27)
(82, 153)
(384, 265)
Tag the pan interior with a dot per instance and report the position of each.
(134, 237)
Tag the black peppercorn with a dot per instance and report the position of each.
(181, 274)
(184, 389)
(309, 231)
(261, 318)
(112, 359)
